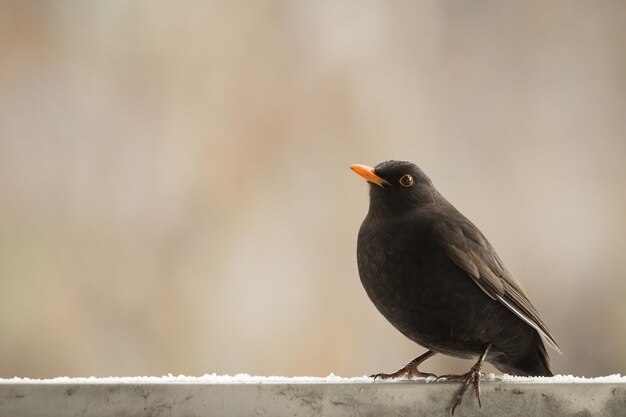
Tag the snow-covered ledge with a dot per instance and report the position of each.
(243, 395)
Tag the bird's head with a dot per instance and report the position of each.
(396, 186)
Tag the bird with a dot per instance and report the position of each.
(436, 278)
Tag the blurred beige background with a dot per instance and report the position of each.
(175, 193)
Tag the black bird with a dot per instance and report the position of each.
(437, 279)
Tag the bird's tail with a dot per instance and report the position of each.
(539, 362)
(535, 363)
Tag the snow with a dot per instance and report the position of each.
(330, 379)
(205, 379)
(558, 379)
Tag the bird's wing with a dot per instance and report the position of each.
(466, 246)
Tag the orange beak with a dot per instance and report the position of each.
(368, 174)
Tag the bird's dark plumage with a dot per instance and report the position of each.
(438, 280)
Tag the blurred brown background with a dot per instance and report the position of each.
(175, 193)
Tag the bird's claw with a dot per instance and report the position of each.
(418, 374)
(457, 378)
(384, 376)
(409, 373)
(410, 370)
(473, 377)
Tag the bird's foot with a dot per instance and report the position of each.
(410, 370)
(409, 373)
(472, 377)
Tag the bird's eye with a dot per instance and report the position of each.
(406, 180)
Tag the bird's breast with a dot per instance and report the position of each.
(394, 267)
(416, 287)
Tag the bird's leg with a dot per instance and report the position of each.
(410, 370)
(472, 377)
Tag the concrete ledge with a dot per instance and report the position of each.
(401, 398)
